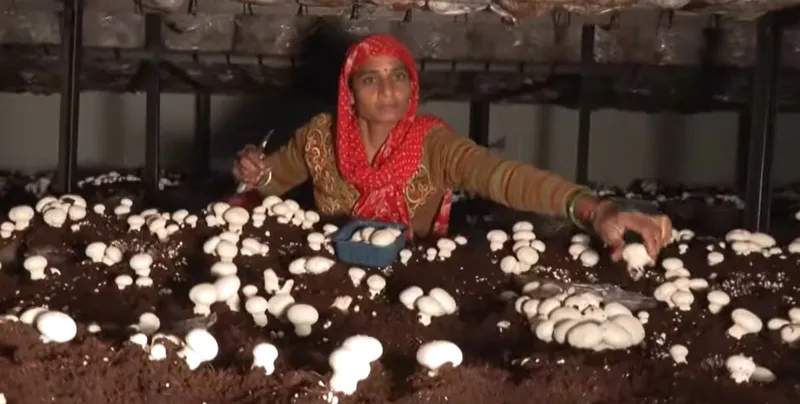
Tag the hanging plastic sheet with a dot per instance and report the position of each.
(209, 32)
(456, 7)
(270, 35)
(118, 30)
(29, 28)
(165, 6)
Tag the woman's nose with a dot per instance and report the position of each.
(385, 89)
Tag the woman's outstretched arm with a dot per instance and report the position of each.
(459, 163)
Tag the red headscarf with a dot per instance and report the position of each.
(381, 185)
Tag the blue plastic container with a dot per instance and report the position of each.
(365, 254)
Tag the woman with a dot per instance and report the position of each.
(378, 159)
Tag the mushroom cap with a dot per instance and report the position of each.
(223, 268)
(226, 248)
(672, 263)
(497, 236)
(747, 320)
(522, 226)
(718, 297)
(311, 216)
(376, 281)
(256, 305)
(446, 244)
(429, 306)
(444, 299)
(56, 326)
(140, 261)
(302, 313)
(434, 354)
(35, 263)
(315, 238)
(265, 351)
(381, 237)
(236, 215)
(202, 343)
(22, 213)
(203, 293)
(369, 347)
(227, 287)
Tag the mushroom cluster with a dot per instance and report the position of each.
(682, 237)
(789, 328)
(580, 250)
(743, 369)
(199, 347)
(580, 320)
(228, 245)
(162, 224)
(56, 211)
(258, 306)
(379, 237)
(287, 211)
(100, 252)
(676, 291)
(315, 265)
(443, 250)
(351, 362)
(526, 248)
(436, 303)
(744, 242)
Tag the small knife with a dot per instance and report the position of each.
(242, 186)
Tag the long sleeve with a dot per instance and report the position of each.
(288, 165)
(459, 163)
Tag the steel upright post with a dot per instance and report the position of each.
(71, 33)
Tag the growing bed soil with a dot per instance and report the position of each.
(501, 365)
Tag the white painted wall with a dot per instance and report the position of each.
(687, 149)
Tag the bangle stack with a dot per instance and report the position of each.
(573, 201)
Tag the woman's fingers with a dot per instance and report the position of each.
(648, 229)
(612, 233)
(250, 165)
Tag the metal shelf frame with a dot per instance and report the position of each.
(756, 122)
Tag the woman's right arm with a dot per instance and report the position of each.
(288, 165)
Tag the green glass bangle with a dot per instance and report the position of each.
(571, 208)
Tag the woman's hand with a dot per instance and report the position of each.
(611, 225)
(250, 167)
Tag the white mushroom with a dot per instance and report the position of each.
(203, 295)
(302, 316)
(56, 326)
(678, 353)
(435, 354)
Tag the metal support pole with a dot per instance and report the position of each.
(479, 112)
(71, 31)
(202, 134)
(742, 149)
(585, 113)
(762, 122)
(152, 169)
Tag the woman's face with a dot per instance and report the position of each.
(381, 90)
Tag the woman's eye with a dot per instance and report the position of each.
(368, 80)
(401, 76)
